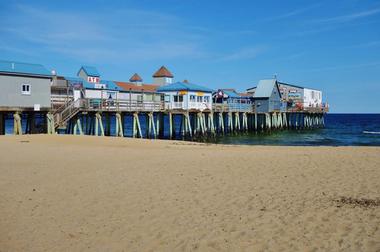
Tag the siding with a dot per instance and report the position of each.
(10, 95)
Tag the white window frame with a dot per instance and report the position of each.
(27, 90)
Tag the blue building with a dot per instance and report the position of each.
(267, 97)
(229, 99)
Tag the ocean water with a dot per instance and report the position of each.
(340, 130)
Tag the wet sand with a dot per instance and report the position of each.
(82, 193)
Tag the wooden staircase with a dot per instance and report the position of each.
(64, 113)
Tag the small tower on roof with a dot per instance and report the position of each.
(163, 76)
(136, 79)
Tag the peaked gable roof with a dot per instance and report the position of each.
(90, 71)
(179, 86)
(23, 68)
(265, 88)
(135, 78)
(163, 72)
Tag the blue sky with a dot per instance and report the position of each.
(329, 45)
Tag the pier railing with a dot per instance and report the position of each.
(232, 107)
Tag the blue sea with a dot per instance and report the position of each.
(340, 130)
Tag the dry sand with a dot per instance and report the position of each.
(67, 193)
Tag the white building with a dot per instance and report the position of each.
(312, 98)
(186, 96)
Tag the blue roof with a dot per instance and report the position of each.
(110, 85)
(179, 86)
(265, 88)
(230, 93)
(90, 71)
(23, 68)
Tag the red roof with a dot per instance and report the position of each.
(135, 78)
(128, 86)
(163, 72)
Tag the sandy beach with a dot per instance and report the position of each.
(83, 193)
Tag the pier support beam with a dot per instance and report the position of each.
(2, 124)
(99, 125)
(119, 125)
(188, 123)
(136, 125)
(230, 126)
(78, 127)
(170, 125)
(17, 129)
(151, 126)
(50, 123)
(221, 122)
(237, 121)
(211, 123)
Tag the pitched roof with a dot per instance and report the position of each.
(265, 87)
(135, 78)
(23, 68)
(163, 72)
(179, 86)
(128, 86)
(90, 71)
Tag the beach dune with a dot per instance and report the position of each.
(83, 193)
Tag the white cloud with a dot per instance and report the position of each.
(124, 34)
(350, 17)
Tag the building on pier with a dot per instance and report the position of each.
(24, 86)
(298, 98)
(267, 97)
(230, 100)
(136, 90)
(186, 96)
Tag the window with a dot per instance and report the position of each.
(167, 98)
(206, 99)
(199, 98)
(192, 98)
(178, 98)
(26, 89)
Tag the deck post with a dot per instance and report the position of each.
(118, 125)
(17, 129)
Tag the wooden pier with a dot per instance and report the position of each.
(94, 117)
